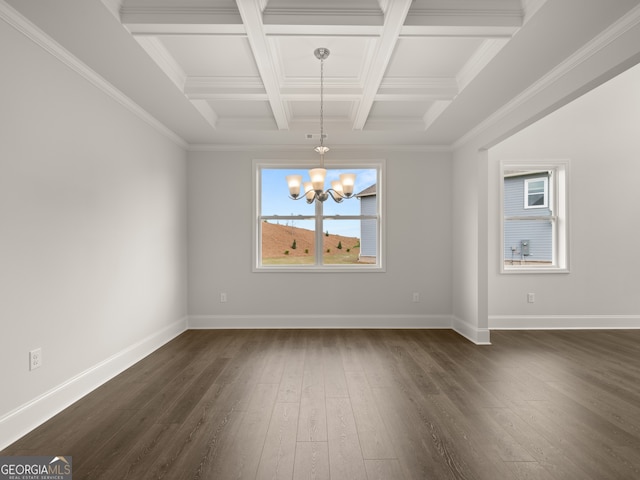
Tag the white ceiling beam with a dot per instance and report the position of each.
(467, 18)
(299, 15)
(466, 13)
(225, 88)
(434, 112)
(252, 18)
(157, 29)
(113, 6)
(395, 16)
(530, 7)
(158, 52)
(206, 111)
(170, 15)
(418, 88)
(464, 18)
(393, 89)
(182, 20)
(324, 30)
(479, 60)
(325, 12)
(469, 31)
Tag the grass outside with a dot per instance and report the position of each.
(342, 258)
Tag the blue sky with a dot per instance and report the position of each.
(276, 201)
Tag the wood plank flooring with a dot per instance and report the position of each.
(361, 404)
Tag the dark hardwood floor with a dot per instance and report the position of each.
(361, 404)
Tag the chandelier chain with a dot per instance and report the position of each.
(322, 108)
(314, 190)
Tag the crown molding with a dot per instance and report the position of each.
(202, 147)
(337, 11)
(185, 14)
(465, 17)
(323, 16)
(37, 36)
(210, 10)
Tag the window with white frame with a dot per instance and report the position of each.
(293, 235)
(536, 192)
(535, 235)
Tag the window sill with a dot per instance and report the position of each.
(322, 269)
(534, 270)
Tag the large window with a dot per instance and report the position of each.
(293, 235)
(535, 233)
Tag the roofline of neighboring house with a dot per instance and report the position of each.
(370, 191)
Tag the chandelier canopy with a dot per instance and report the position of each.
(314, 189)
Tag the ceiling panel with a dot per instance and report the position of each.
(431, 56)
(382, 110)
(211, 55)
(296, 62)
(246, 109)
(310, 110)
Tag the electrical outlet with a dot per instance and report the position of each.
(35, 359)
(223, 297)
(416, 296)
(531, 297)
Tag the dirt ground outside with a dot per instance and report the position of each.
(278, 241)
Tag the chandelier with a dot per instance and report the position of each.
(314, 189)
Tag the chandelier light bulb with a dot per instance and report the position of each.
(317, 176)
(294, 182)
(348, 181)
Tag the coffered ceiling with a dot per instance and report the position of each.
(394, 65)
(240, 72)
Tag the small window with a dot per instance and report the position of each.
(293, 235)
(536, 192)
(535, 236)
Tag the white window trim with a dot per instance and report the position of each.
(558, 202)
(545, 194)
(379, 266)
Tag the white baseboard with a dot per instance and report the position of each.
(563, 322)
(479, 336)
(25, 418)
(318, 321)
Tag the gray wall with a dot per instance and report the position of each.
(93, 243)
(417, 245)
(475, 246)
(598, 133)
